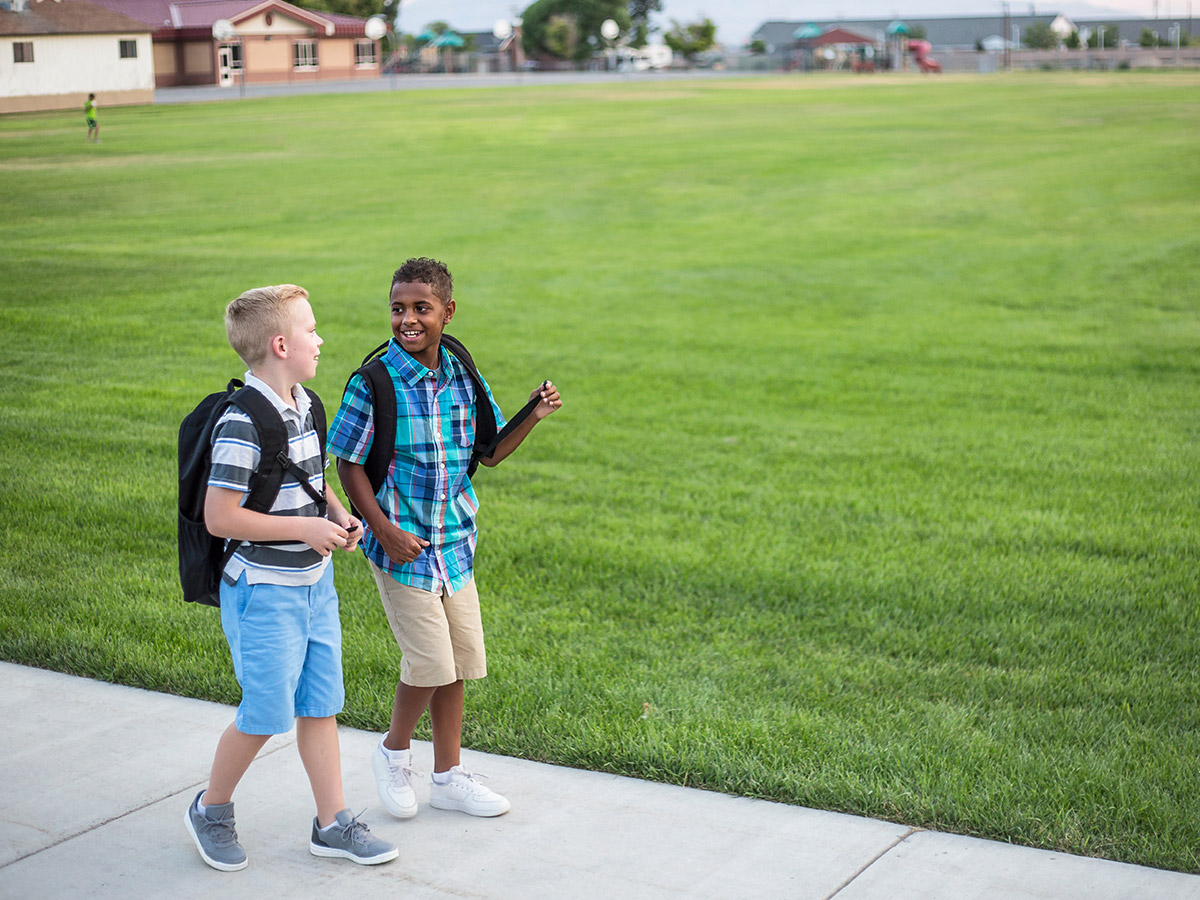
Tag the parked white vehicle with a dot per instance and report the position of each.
(642, 59)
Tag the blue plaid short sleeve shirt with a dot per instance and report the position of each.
(426, 491)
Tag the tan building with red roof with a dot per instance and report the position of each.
(56, 53)
(275, 42)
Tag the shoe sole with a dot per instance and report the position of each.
(400, 812)
(334, 853)
(215, 863)
(397, 811)
(458, 806)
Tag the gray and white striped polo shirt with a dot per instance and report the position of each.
(235, 455)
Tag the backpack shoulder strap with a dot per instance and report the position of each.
(272, 441)
(378, 380)
(485, 416)
(318, 413)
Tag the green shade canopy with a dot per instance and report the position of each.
(449, 39)
(807, 32)
(897, 27)
(427, 35)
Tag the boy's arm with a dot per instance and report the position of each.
(225, 517)
(400, 546)
(550, 402)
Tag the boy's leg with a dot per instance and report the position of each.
(441, 642)
(336, 832)
(445, 705)
(235, 752)
(209, 818)
(445, 720)
(317, 741)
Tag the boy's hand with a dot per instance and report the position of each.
(322, 535)
(400, 546)
(550, 400)
(354, 532)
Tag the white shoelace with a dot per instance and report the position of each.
(468, 780)
(401, 774)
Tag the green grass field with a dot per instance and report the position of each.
(875, 487)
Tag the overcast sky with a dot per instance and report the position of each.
(736, 19)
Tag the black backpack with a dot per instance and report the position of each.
(202, 557)
(383, 401)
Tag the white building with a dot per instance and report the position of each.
(54, 54)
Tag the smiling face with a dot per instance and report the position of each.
(418, 319)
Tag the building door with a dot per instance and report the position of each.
(225, 66)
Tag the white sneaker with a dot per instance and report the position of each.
(393, 781)
(464, 793)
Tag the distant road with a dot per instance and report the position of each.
(208, 92)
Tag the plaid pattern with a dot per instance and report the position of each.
(426, 491)
(235, 456)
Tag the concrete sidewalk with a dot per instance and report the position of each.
(95, 778)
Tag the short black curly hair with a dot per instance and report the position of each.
(426, 271)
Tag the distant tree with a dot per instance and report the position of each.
(1073, 41)
(639, 20)
(583, 17)
(758, 47)
(691, 40)
(1148, 38)
(562, 36)
(1040, 36)
(917, 32)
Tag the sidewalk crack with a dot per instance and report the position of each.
(876, 858)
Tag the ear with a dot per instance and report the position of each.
(279, 346)
(449, 312)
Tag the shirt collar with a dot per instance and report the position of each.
(299, 394)
(412, 371)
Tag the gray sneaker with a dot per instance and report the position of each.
(351, 839)
(215, 836)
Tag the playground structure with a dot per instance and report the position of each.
(926, 63)
(837, 47)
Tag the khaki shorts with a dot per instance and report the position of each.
(440, 634)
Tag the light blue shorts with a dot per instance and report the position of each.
(286, 643)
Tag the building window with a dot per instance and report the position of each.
(128, 49)
(305, 55)
(364, 54)
(22, 51)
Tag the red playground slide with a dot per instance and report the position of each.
(920, 51)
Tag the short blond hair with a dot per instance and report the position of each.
(257, 316)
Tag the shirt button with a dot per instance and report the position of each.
(442, 497)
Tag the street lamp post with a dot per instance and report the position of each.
(609, 30)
